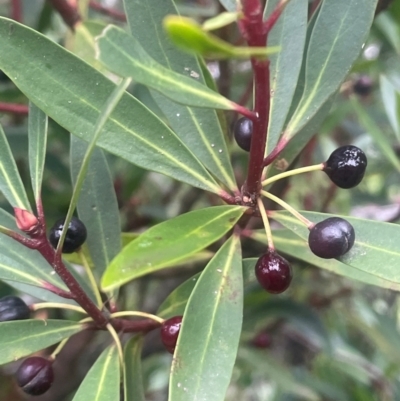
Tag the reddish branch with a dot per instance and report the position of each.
(16, 10)
(67, 10)
(117, 15)
(13, 108)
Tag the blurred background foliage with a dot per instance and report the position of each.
(327, 338)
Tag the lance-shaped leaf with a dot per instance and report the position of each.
(290, 244)
(391, 101)
(102, 382)
(169, 242)
(290, 34)
(198, 128)
(97, 206)
(122, 54)
(189, 36)
(339, 32)
(24, 337)
(210, 331)
(73, 94)
(10, 182)
(376, 249)
(37, 133)
(133, 381)
(221, 20)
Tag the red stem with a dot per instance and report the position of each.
(16, 10)
(271, 21)
(58, 291)
(107, 11)
(14, 108)
(67, 10)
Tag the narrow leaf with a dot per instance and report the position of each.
(22, 338)
(391, 101)
(290, 34)
(102, 382)
(132, 132)
(37, 133)
(377, 134)
(10, 182)
(133, 381)
(375, 242)
(339, 32)
(97, 206)
(169, 242)
(219, 21)
(198, 128)
(210, 331)
(122, 54)
(189, 36)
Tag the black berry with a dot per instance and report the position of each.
(346, 166)
(363, 85)
(170, 331)
(76, 235)
(13, 308)
(35, 375)
(273, 272)
(243, 130)
(331, 238)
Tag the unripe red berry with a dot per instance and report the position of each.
(170, 331)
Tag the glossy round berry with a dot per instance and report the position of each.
(35, 375)
(13, 308)
(76, 235)
(273, 272)
(170, 331)
(363, 85)
(331, 238)
(346, 166)
(243, 130)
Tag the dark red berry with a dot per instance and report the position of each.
(346, 166)
(261, 340)
(243, 130)
(273, 272)
(35, 375)
(331, 238)
(13, 308)
(170, 331)
(76, 235)
(363, 85)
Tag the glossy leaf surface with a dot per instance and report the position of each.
(290, 34)
(22, 338)
(169, 242)
(97, 206)
(37, 132)
(210, 331)
(133, 382)
(122, 54)
(10, 182)
(376, 255)
(102, 382)
(198, 128)
(132, 132)
(339, 32)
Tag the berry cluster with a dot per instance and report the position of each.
(328, 239)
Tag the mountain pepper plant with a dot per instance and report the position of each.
(139, 92)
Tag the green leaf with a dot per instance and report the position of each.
(10, 182)
(166, 244)
(290, 34)
(22, 338)
(97, 206)
(377, 134)
(198, 128)
(375, 242)
(122, 54)
(132, 132)
(391, 101)
(189, 36)
(134, 390)
(339, 32)
(102, 382)
(37, 132)
(210, 331)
